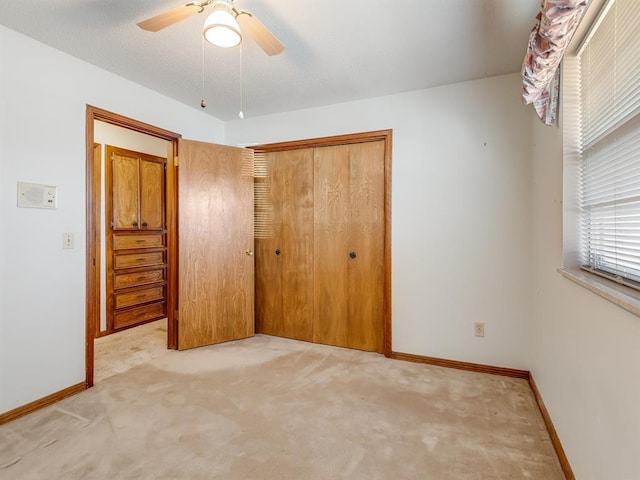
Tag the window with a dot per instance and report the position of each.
(608, 73)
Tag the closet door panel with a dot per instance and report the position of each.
(331, 245)
(284, 261)
(295, 170)
(366, 270)
(268, 264)
(125, 191)
(151, 194)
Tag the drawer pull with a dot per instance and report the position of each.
(142, 296)
(140, 259)
(140, 241)
(141, 278)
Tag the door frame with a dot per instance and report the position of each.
(92, 308)
(373, 136)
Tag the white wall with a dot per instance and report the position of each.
(107, 134)
(460, 211)
(477, 235)
(43, 97)
(586, 350)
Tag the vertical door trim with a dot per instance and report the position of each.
(92, 307)
(373, 136)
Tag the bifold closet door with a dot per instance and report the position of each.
(331, 245)
(349, 245)
(366, 234)
(284, 261)
(215, 244)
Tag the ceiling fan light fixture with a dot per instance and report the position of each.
(221, 27)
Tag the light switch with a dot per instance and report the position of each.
(67, 240)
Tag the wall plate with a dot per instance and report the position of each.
(34, 195)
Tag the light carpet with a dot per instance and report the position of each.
(118, 352)
(271, 408)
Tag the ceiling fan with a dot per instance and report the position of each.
(224, 27)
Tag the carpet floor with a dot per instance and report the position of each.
(271, 408)
(118, 352)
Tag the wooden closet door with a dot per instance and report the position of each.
(349, 245)
(297, 266)
(284, 263)
(268, 263)
(215, 251)
(152, 190)
(331, 245)
(366, 241)
(125, 187)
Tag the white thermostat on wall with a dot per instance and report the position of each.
(34, 195)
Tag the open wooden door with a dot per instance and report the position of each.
(215, 247)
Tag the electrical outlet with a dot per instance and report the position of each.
(67, 240)
(478, 329)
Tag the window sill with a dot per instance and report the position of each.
(624, 297)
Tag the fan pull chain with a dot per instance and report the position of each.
(203, 104)
(241, 114)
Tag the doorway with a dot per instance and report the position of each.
(96, 256)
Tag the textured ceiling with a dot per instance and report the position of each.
(336, 51)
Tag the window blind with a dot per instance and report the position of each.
(609, 63)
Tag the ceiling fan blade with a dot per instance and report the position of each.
(166, 19)
(250, 25)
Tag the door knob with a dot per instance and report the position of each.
(249, 252)
(278, 252)
(144, 224)
(352, 255)
(135, 224)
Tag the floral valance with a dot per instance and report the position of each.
(556, 23)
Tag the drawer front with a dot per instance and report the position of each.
(139, 296)
(129, 260)
(123, 280)
(124, 242)
(136, 315)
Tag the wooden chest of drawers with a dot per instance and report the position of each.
(140, 259)
(124, 280)
(149, 240)
(134, 316)
(135, 238)
(139, 278)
